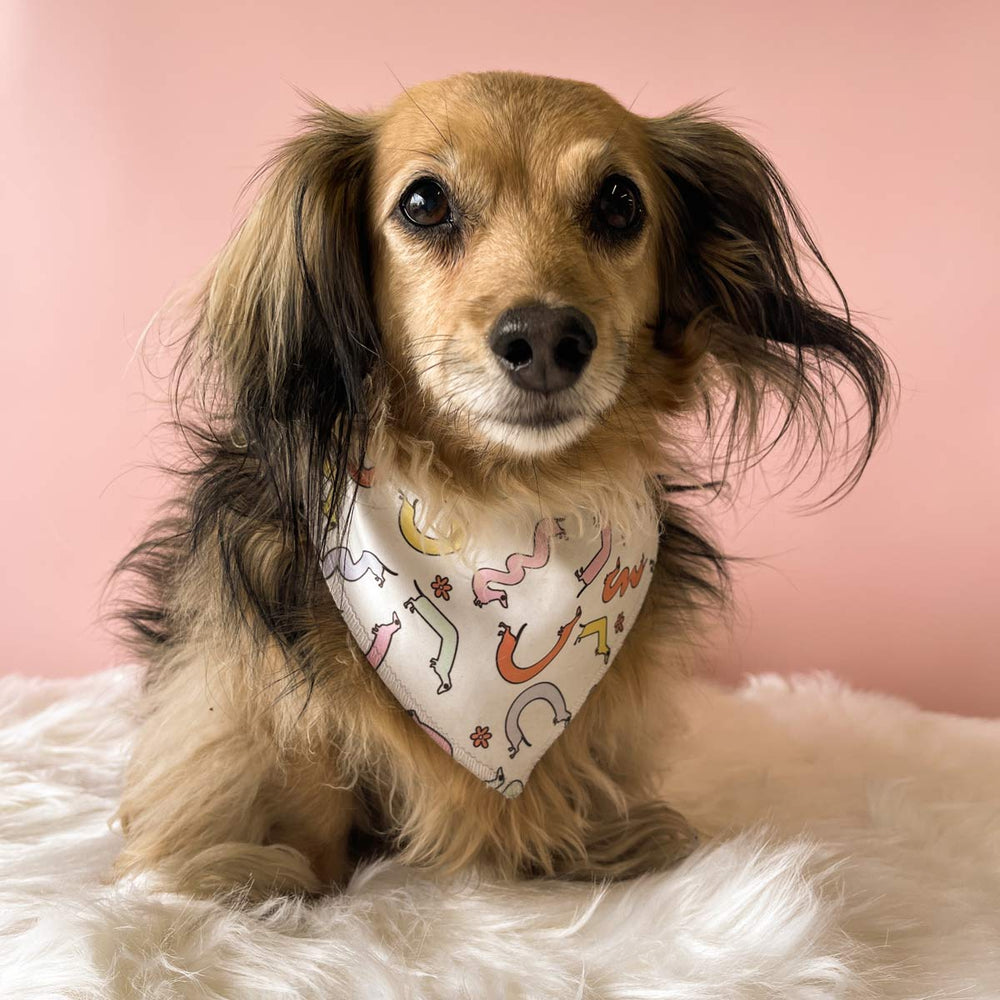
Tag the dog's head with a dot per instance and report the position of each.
(520, 267)
(517, 226)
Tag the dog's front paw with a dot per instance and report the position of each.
(240, 874)
(651, 837)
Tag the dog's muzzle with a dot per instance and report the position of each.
(543, 348)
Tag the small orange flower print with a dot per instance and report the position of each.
(481, 737)
(441, 587)
(620, 622)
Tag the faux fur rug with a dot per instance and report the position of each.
(854, 852)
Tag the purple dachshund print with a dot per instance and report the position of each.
(516, 566)
(542, 691)
(588, 574)
(340, 560)
(383, 634)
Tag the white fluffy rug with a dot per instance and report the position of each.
(855, 853)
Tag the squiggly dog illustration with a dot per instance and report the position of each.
(512, 789)
(433, 734)
(340, 560)
(516, 565)
(509, 670)
(598, 627)
(619, 580)
(588, 574)
(443, 663)
(383, 634)
(542, 691)
(415, 538)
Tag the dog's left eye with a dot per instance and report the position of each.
(425, 203)
(617, 207)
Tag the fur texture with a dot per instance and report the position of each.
(332, 332)
(852, 854)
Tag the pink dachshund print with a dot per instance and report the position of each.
(588, 574)
(618, 581)
(433, 734)
(509, 670)
(516, 565)
(383, 634)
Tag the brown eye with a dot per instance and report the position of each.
(617, 208)
(425, 204)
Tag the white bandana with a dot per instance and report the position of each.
(491, 652)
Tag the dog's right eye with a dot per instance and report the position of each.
(424, 203)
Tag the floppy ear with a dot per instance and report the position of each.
(277, 371)
(734, 281)
(287, 324)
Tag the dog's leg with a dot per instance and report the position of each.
(314, 815)
(210, 810)
(572, 819)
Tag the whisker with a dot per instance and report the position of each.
(418, 107)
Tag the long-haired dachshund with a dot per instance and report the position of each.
(431, 567)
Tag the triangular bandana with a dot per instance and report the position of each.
(491, 652)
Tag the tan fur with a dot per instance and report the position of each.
(245, 779)
(221, 766)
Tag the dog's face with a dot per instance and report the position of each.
(515, 225)
(521, 268)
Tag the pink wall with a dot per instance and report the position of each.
(129, 129)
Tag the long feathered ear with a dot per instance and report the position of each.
(734, 245)
(273, 386)
(287, 325)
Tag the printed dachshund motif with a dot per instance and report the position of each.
(516, 565)
(363, 476)
(417, 539)
(443, 663)
(598, 627)
(588, 574)
(512, 789)
(382, 634)
(433, 734)
(509, 670)
(339, 560)
(542, 691)
(618, 581)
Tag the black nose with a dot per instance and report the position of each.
(544, 349)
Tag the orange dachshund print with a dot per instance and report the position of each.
(618, 581)
(509, 670)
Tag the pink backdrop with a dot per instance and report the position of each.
(129, 129)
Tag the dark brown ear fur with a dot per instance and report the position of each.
(734, 243)
(271, 389)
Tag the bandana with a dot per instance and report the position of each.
(491, 649)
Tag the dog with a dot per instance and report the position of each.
(522, 309)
